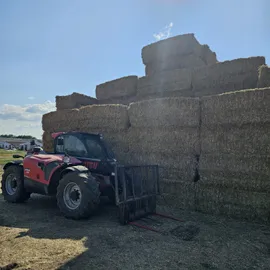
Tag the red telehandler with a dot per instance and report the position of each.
(82, 168)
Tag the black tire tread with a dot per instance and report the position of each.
(90, 192)
(21, 195)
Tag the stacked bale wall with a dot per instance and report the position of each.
(235, 155)
(166, 132)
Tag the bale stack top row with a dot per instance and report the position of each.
(177, 67)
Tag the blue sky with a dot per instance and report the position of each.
(50, 48)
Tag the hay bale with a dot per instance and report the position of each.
(234, 180)
(237, 108)
(233, 211)
(209, 57)
(178, 167)
(238, 140)
(178, 45)
(165, 112)
(125, 86)
(165, 82)
(47, 140)
(232, 75)
(177, 194)
(239, 164)
(264, 76)
(161, 140)
(231, 196)
(180, 76)
(173, 63)
(56, 120)
(75, 100)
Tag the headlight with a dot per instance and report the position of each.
(66, 159)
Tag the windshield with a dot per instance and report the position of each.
(94, 147)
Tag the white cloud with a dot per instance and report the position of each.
(25, 119)
(164, 33)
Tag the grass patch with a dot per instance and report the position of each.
(6, 155)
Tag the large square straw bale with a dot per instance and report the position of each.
(47, 141)
(238, 140)
(264, 76)
(233, 211)
(75, 100)
(238, 108)
(233, 196)
(181, 76)
(165, 112)
(125, 86)
(178, 45)
(235, 180)
(229, 75)
(238, 166)
(165, 140)
(111, 116)
(174, 63)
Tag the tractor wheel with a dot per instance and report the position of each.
(78, 195)
(13, 185)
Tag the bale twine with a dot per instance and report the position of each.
(75, 100)
(264, 76)
(165, 112)
(239, 108)
(125, 86)
(227, 76)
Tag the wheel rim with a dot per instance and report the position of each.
(11, 184)
(72, 196)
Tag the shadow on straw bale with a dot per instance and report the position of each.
(250, 164)
(239, 108)
(174, 63)
(264, 76)
(165, 112)
(125, 86)
(235, 180)
(239, 140)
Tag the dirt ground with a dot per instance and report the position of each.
(34, 235)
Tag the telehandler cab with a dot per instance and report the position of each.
(80, 170)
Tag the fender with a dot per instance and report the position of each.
(15, 162)
(76, 168)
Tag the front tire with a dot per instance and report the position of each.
(78, 195)
(13, 185)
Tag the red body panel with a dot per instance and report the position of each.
(33, 171)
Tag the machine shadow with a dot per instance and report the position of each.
(42, 219)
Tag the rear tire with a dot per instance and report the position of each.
(13, 185)
(78, 195)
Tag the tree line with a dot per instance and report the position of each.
(17, 137)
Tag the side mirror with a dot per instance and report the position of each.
(17, 156)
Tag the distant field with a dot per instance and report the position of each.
(6, 155)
